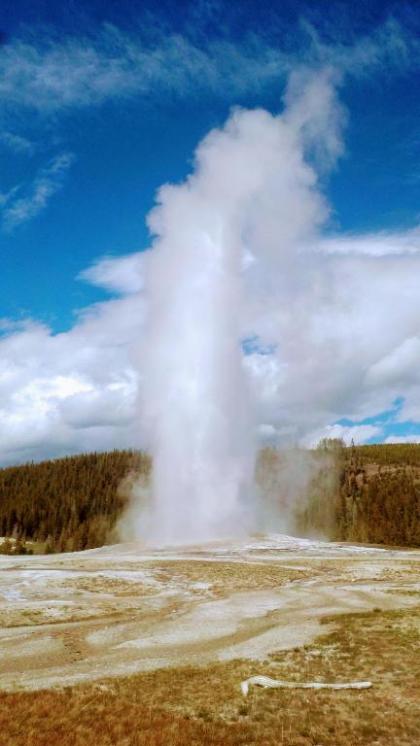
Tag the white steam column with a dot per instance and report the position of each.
(249, 202)
(196, 398)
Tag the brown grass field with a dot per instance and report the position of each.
(189, 706)
(128, 647)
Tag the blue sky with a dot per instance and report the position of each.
(103, 102)
(124, 150)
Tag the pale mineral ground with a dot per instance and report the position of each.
(68, 618)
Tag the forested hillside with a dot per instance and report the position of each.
(374, 496)
(364, 494)
(67, 504)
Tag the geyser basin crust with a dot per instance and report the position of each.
(118, 610)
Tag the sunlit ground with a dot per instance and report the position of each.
(135, 647)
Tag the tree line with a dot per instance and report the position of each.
(65, 504)
(359, 493)
(374, 496)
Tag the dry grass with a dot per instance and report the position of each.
(180, 707)
(103, 584)
(224, 578)
(401, 573)
(30, 617)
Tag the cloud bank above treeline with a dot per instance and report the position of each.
(329, 325)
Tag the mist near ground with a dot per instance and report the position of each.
(293, 492)
(288, 481)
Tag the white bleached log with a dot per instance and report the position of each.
(266, 681)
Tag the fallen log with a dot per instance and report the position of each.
(267, 682)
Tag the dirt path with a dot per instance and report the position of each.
(118, 610)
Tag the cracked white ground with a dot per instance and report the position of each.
(67, 618)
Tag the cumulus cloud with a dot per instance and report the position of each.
(342, 344)
(19, 209)
(334, 322)
(70, 392)
(345, 341)
(398, 366)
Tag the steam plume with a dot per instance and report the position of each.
(239, 216)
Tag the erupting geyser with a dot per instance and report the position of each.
(196, 398)
(248, 202)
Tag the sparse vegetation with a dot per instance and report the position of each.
(198, 706)
(224, 578)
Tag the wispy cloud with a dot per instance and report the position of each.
(49, 75)
(6, 197)
(20, 209)
(16, 143)
(391, 44)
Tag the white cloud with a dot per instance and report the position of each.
(402, 439)
(336, 323)
(49, 75)
(73, 391)
(122, 274)
(357, 433)
(381, 243)
(400, 366)
(390, 44)
(19, 209)
(336, 327)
